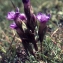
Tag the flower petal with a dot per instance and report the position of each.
(13, 26)
(22, 16)
(11, 15)
(42, 17)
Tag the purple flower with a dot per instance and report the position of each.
(25, 1)
(22, 16)
(13, 26)
(11, 15)
(14, 15)
(43, 17)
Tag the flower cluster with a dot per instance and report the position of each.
(27, 34)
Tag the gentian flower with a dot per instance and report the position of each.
(14, 15)
(43, 17)
(13, 26)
